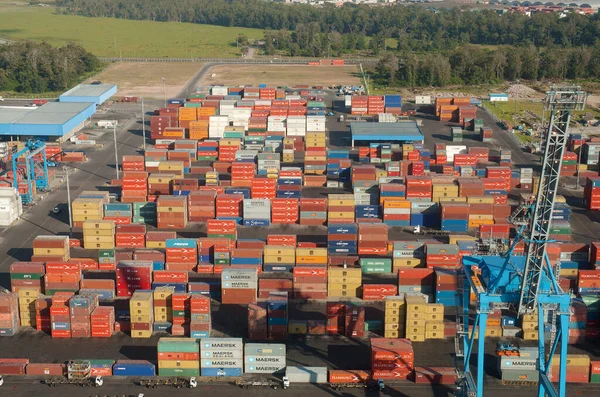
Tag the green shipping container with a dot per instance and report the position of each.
(178, 313)
(221, 261)
(192, 105)
(179, 371)
(207, 158)
(51, 292)
(595, 378)
(373, 325)
(26, 276)
(178, 345)
(106, 253)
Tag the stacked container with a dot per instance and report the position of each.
(133, 368)
(354, 321)
(27, 275)
(391, 359)
(257, 321)
(372, 239)
(221, 356)
(181, 254)
(592, 193)
(257, 212)
(102, 322)
(394, 316)
(51, 248)
(132, 276)
(239, 286)
(142, 314)
(310, 282)
(284, 211)
(201, 205)
(279, 256)
(27, 298)
(172, 212)
(81, 309)
(200, 316)
(85, 209)
(99, 234)
(455, 217)
(216, 228)
(344, 282)
(264, 358)
(134, 188)
(181, 302)
(9, 308)
(313, 211)
(341, 208)
(522, 368)
(61, 277)
(42, 315)
(178, 357)
(342, 238)
(277, 315)
(59, 315)
(144, 212)
(163, 308)
(130, 236)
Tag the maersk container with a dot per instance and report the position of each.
(306, 374)
(520, 375)
(134, 368)
(221, 371)
(518, 364)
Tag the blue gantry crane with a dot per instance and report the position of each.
(41, 181)
(527, 284)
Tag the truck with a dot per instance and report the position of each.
(177, 383)
(95, 381)
(107, 123)
(272, 383)
(378, 385)
(423, 231)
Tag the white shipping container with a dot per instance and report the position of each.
(306, 374)
(222, 344)
(239, 275)
(221, 354)
(218, 90)
(296, 133)
(451, 150)
(222, 363)
(423, 100)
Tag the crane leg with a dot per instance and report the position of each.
(481, 352)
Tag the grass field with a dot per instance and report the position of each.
(132, 38)
(145, 78)
(281, 75)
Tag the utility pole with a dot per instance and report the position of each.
(115, 37)
(582, 130)
(165, 89)
(67, 169)
(116, 154)
(143, 125)
(516, 96)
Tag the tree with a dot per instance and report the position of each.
(387, 68)
(242, 40)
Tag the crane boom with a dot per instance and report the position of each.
(561, 102)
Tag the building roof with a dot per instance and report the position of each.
(402, 131)
(9, 115)
(91, 90)
(497, 95)
(53, 113)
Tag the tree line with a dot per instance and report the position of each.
(474, 65)
(414, 27)
(38, 67)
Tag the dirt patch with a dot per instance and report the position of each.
(145, 78)
(281, 75)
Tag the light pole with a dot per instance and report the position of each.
(516, 97)
(67, 169)
(582, 130)
(143, 125)
(116, 153)
(165, 89)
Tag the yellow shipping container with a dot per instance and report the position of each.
(393, 334)
(184, 364)
(311, 255)
(341, 216)
(87, 204)
(344, 272)
(230, 142)
(98, 239)
(455, 238)
(404, 262)
(530, 317)
(271, 250)
(416, 323)
(349, 292)
(445, 188)
(171, 209)
(141, 334)
(569, 272)
(529, 325)
(574, 360)
(396, 202)
(401, 311)
(396, 320)
(479, 222)
(345, 280)
(480, 200)
(163, 292)
(162, 318)
(493, 331)
(27, 301)
(297, 327)
(380, 173)
(473, 217)
(393, 326)
(98, 225)
(156, 244)
(100, 246)
(160, 178)
(279, 259)
(434, 308)
(98, 232)
(50, 251)
(530, 335)
(452, 200)
(434, 327)
(434, 334)
(407, 147)
(415, 337)
(29, 293)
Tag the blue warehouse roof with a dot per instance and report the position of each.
(402, 131)
(51, 119)
(492, 95)
(97, 93)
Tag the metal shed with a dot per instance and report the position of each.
(84, 93)
(407, 131)
(53, 119)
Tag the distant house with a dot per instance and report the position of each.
(498, 97)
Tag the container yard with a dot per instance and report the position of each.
(257, 235)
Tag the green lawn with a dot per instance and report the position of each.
(133, 38)
(506, 110)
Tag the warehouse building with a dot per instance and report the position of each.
(83, 93)
(498, 97)
(402, 132)
(52, 121)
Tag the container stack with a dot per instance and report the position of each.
(27, 275)
(284, 211)
(336, 318)
(455, 217)
(279, 256)
(592, 193)
(396, 213)
(521, 368)
(60, 319)
(181, 302)
(442, 256)
(313, 211)
(359, 105)
(200, 316)
(344, 282)
(98, 234)
(264, 358)
(239, 286)
(61, 277)
(132, 276)
(372, 239)
(142, 314)
(181, 254)
(257, 321)
(393, 104)
(201, 205)
(354, 321)
(9, 307)
(391, 359)
(130, 236)
(172, 212)
(85, 209)
(341, 208)
(51, 248)
(310, 282)
(394, 316)
(578, 368)
(163, 308)
(277, 315)
(178, 357)
(133, 368)
(342, 238)
(221, 356)
(208, 150)
(27, 298)
(375, 266)
(408, 254)
(446, 285)
(264, 188)
(144, 212)
(134, 188)
(486, 134)
(11, 205)
(81, 309)
(121, 213)
(418, 187)
(102, 322)
(42, 315)
(257, 212)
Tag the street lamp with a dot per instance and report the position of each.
(582, 131)
(165, 89)
(67, 169)
(116, 153)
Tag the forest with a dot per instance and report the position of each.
(30, 67)
(418, 46)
